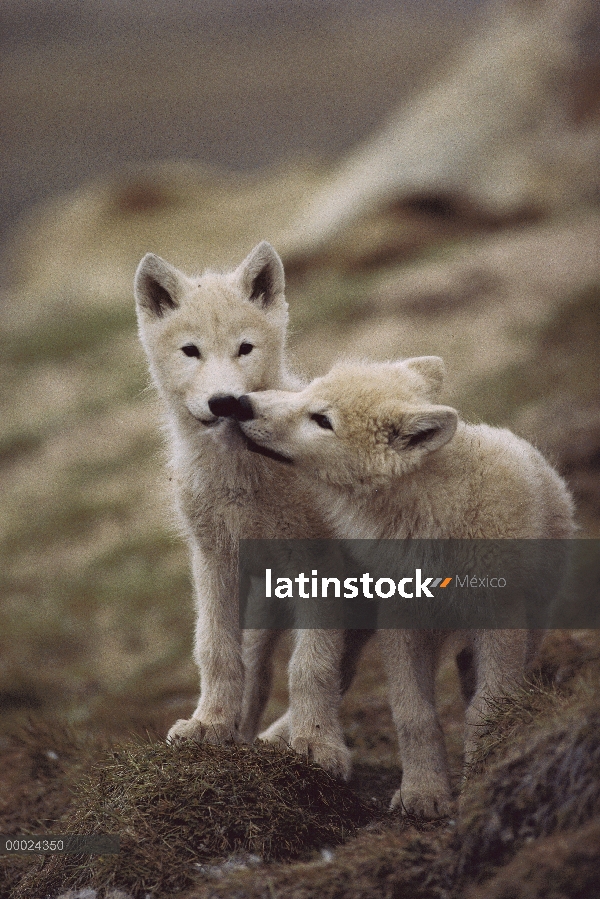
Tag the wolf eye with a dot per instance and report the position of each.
(191, 350)
(322, 421)
(245, 348)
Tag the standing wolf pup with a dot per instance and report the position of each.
(208, 340)
(392, 463)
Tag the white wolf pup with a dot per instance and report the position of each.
(393, 463)
(209, 340)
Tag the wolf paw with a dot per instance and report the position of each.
(333, 756)
(278, 732)
(423, 804)
(201, 732)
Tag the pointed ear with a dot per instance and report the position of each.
(157, 286)
(431, 369)
(261, 275)
(428, 429)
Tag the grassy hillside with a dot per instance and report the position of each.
(96, 612)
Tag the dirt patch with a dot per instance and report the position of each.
(376, 865)
(564, 865)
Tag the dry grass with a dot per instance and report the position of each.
(179, 808)
(379, 863)
(221, 821)
(541, 775)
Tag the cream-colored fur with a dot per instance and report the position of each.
(393, 463)
(213, 338)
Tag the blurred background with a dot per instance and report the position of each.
(429, 172)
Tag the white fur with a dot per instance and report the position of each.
(396, 464)
(224, 492)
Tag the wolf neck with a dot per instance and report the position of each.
(390, 511)
(216, 456)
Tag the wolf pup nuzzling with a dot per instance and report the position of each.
(392, 463)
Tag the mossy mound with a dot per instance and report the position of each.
(547, 782)
(178, 807)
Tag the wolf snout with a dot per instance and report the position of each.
(231, 407)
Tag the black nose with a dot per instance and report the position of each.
(223, 406)
(230, 407)
(245, 410)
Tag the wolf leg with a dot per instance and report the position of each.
(410, 659)
(258, 647)
(218, 655)
(315, 693)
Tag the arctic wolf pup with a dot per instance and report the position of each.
(392, 463)
(209, 340)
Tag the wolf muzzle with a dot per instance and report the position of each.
(241, 410)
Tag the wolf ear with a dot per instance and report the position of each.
(261, 275)
(429, 429)
(431, 369)
(157, 285)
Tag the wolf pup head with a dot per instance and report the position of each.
(359, 423)
(214, 336)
